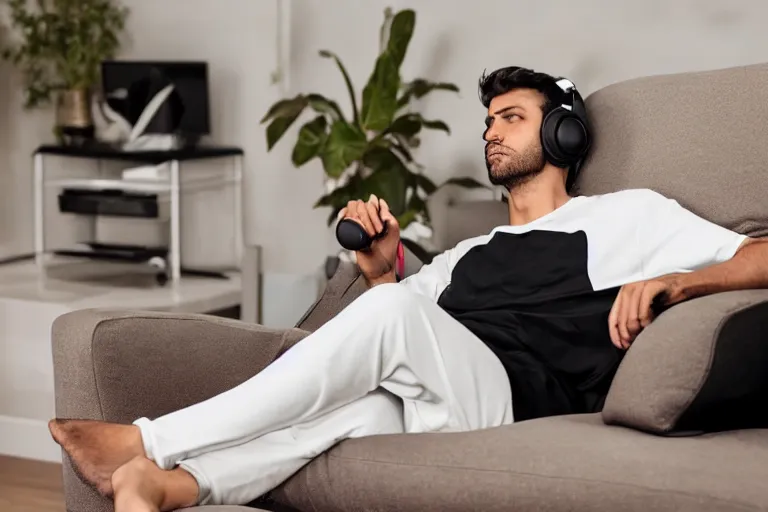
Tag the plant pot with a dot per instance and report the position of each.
(74, 119)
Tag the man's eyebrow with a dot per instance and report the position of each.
(489, 119)
(511, 107)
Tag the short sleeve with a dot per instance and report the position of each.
(433, 277)
(674, 239)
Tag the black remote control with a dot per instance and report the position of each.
(352, 236)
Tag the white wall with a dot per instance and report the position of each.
(594, 42)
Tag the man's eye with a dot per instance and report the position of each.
(511, 117)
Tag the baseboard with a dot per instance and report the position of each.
(28, 439)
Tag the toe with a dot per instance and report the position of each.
(54, 427)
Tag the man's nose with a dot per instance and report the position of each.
(491, 135)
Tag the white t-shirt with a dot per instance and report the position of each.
(539, 295)
(632, 235)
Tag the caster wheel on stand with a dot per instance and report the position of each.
(162, 270)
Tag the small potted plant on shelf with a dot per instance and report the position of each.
(59, 45)
(371, 151)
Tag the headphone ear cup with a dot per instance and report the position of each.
(549, 137)
(564, 137)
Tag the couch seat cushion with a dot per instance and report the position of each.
(562, 463)
(222, 508)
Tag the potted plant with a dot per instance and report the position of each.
(59, 47)
(371, 151)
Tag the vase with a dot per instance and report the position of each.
(74, 118)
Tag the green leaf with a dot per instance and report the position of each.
(339, 197)
(388, 184)
(406, 218)
(417, 204)
(323, 105)
(333, 215)
(402, 151)
(350, 89)
(277, 129)
(400, 33)
(380, 95)
(436, 125)
(421, 87)
(425, 183)
(61, 44)
(283, 115)
(311, 138)
(345, 144)
(464, 182)
(378, 158)
(407, 125)
(389, 179)
(285, 108)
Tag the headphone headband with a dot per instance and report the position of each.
(565, 84)
(567, 87)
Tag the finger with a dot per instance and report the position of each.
(385, 213)
(351, 209)
(365, 219)
(373, 212)
(342, 213)
(630, 315)
(613, 320)
(633, 323)
(645, 313)
(622, 323)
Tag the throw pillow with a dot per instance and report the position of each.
(701, 366)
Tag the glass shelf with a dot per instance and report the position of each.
(151, 186)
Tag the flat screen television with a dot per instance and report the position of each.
(129, 86)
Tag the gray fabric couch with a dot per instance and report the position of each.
(701, 138)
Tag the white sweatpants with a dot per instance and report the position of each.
(391, 362)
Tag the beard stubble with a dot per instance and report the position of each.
(511, 170)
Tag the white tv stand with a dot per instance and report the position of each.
(171, 262)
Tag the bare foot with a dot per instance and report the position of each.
(97, 448)
(140, 486)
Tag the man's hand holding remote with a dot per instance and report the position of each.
(378, 262)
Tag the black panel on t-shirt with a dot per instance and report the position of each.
(529, 297)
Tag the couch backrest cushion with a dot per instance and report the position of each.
(698, 137)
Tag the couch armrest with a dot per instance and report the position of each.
(699, 366)
(345, 286)
(119, 365)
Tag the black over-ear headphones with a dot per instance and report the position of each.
(565, 134)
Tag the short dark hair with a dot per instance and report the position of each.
(506, 79)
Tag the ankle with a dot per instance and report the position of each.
(136, 441)
(133, 473)
(142, 439)
(180, 490)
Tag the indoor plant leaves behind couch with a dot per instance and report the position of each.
(371, 151)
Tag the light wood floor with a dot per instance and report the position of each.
(30, 486)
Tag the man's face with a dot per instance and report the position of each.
(513, 152)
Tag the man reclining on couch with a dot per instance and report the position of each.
(527, 321)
